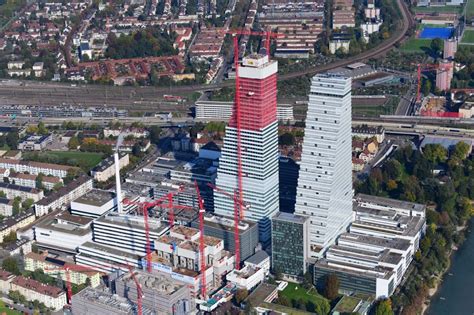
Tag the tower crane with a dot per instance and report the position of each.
(145, 206)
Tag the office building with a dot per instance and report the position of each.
(290, 245)
(63, 232)
(127, 232)
(375, 255)
(100, 301)
(324, 190)
(94, 203)
(160, 292)
(220, 110)
(106, 258)
(288, 178)
(223, 228)
(259, 147)
(35, 143)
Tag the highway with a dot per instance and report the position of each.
(149, 98)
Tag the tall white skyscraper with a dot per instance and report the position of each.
(259, 147)
(325, 179)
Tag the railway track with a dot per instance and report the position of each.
(139, 98)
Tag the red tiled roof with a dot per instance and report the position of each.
(37, 286)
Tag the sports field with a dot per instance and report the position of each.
(91, 159)
(436, 32)
(440, 9)
(418, 45)
(468, 37)
(470, 9)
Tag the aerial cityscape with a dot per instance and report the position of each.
(174, 157)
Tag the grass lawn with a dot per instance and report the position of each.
(418, 45)
(470, 9)
(468, 37)
(91, 159)
(440, 9)
(295, 292)
(4, 309)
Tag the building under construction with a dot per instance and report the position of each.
(160, 292)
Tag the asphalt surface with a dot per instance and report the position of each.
(150, 98)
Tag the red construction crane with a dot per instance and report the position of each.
(145, 206)
(238, 204)
(202, 210)
(67, 268)
(139, 290)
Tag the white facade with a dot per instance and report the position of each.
(334, 45)
(216, 110)
(260, 185)
(259, 154)
(247, 277)
(324, 190)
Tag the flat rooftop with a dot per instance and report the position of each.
(162, 284)
(107, 250)
(389, 202)
(398, 244)
(131, 221)
(96, 198)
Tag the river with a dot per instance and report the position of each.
(456, 294)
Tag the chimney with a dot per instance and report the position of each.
(118, 187)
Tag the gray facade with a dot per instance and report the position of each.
(94, 301)
(289, 244)
(160, 292)
(348, 282)
(248, 236)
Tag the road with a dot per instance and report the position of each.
(39, 93)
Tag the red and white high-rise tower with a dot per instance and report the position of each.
(257, 144)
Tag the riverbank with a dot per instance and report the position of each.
(436, 291)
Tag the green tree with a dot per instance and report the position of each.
(39, 181)
(426, 87)
(16, 205)
(73, 143)
(3, 194)
(42, 130)
(155, 133)
(322, 307)
(460, 150)
(307, 280)
(393, 169)
(331, 288)
(435, 153)
(283, 300)
(27, 204)
(436, 46)
(11, 265)
(10, 238)
(384, 307)
(12, 140)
